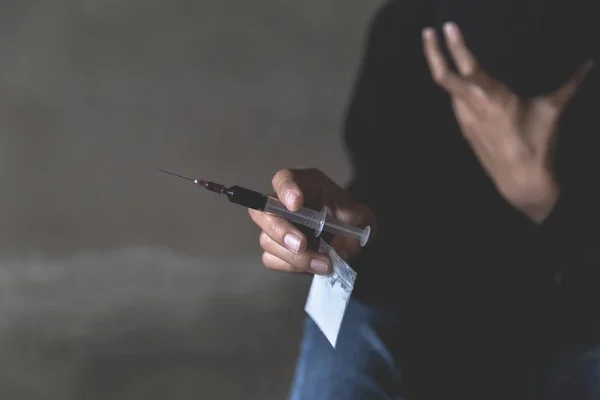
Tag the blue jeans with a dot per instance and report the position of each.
(366, 364)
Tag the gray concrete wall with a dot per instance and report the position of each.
(117, 282)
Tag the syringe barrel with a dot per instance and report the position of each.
(317, 220)
(304, 216)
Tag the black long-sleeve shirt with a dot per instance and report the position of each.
(448, 242)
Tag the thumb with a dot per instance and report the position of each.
(288, 190)
(561, 97)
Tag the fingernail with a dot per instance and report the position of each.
(289, 198)
(451, 30)
(319, 266)
(292, 242)
(426, 32)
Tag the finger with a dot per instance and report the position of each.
(347, 246)
(277, 264)
(308, 261)
(287, 190)
(440, 72)
(281, 231)
(465, 61)
(565, 93)
(483, 85)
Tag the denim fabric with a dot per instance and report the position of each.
(369, 362)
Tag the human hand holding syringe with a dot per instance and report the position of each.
(285, 246)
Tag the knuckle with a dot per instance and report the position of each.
(441, 76)
(281, 176)
(264, 240)
(300, 261)
(274, 228)
(278, 175)
(470, 68)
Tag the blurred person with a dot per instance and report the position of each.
(475, 157)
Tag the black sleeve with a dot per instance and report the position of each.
(531, 46)
(574, 223)
(534, 47)
(383, 117)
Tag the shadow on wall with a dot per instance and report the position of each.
(146, 324)
(117, 281)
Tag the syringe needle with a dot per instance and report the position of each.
(177, 175)
(212, 186)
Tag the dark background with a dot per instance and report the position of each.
(117, 282)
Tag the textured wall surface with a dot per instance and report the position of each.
(117, 282)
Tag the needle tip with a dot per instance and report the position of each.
(174, 174)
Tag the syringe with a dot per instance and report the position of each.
(320, 221)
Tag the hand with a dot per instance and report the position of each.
(285, 247)
(511, 137)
